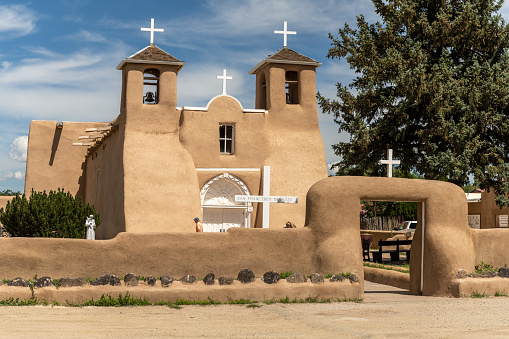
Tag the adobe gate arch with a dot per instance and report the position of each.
(333, 214)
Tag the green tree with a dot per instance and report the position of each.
(8, 193)
(54, 215)
(432, 84)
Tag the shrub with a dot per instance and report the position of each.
(54, 215)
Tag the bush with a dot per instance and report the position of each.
(53, 215)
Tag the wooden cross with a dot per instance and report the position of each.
(285, 32)
(224, 78)
(152, 30)
(389, 162)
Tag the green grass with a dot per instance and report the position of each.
(389, 268)
(286, 274)
(500, 294)
(476, 294)
(484, 267)
(24, 302)
(109, 301)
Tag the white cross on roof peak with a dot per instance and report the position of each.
(285, 32)
(152, 30)
(224, 78)
(389, 162)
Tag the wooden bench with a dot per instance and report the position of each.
(377, 255)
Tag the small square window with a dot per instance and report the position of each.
(226, 139)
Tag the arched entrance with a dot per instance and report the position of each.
(219, 209)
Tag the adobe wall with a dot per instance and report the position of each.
(490, 210)
(52, 160)
(330, 244)
(105, 183)
(174, 254)
(335, 201)
(491, 246)
(161, 192)
(296, 153)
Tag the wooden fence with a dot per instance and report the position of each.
(380, 223)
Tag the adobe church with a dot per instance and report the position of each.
(157, 165)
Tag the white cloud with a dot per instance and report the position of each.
(84, 35)
(6, 175)
(10, 175)
(17, 20)
(83, 86)
(6, 64)
(19, 149)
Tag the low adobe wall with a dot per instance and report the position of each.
(329, 245)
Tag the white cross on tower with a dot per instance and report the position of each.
(152, 30)
(224, 78)
(389, 162)
(285, 32)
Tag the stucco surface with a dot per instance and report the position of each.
(174, 254)
(487, 286)
(105, 183)
(336, 201)
(52, 160)
(387, 277)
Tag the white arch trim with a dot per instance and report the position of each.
(238, 182)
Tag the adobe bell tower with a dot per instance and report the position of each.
(156, 167)
(286, 88)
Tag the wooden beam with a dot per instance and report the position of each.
(83, 143)
(91, 136)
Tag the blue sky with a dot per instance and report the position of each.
(58, 58)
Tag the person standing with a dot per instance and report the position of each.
(199, 225)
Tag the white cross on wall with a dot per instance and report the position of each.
(152, 30)
(224, 78)
(285, 32)
(389, 162)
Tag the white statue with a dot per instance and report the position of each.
(90, 225)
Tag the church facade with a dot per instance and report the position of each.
(157, 165)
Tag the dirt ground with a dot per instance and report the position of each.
(385, 312)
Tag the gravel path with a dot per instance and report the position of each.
(385, 312)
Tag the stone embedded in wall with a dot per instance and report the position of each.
(209, 279)
(336, 277)
(225, 280)
(316, 278)
(107, 279)
(18, 282)
(271, 277)
(150, 280)
(354, 278)
(166, 280)
(503, 272)
(71, 282)
(462, 274)
(131, 279)
(188, 279)
(489, 274)
(297, 278)
(246, 276)
(476, 275)
(44, 282)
